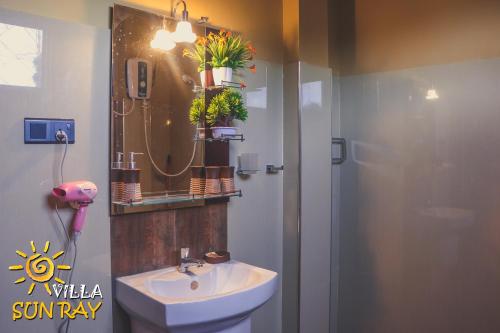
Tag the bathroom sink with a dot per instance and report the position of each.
(213, 298)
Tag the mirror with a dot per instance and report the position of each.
(152, 91)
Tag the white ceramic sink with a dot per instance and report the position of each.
(213, 298)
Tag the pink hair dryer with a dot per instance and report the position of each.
(79, 194)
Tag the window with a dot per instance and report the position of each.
(20, 55)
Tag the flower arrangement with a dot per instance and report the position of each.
(197, 53)
(225, 107)
(229, 50)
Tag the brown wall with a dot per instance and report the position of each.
(305, 31)
(290, 31)
(382, 35)
(259, 20)
(313, 34)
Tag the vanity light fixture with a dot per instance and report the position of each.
(163, 39)
(184, 31)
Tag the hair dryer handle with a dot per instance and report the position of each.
(79, 220)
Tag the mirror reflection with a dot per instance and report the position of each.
(154, 85)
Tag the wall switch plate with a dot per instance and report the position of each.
(44, 130)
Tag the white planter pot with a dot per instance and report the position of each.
(222, 74)
(203, 78)
(206, 78)
(220, 132)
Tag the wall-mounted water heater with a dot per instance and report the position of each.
(139, 78)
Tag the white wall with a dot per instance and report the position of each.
(74, 84)
(315, 109)
(307, 197)
(255, 221)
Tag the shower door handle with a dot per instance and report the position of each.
(343, 150)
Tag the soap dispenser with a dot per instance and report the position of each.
(117, 178)
(132, 180)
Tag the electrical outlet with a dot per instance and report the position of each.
(44, 130)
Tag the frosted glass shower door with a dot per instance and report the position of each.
(417, 216)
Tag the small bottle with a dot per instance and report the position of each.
(132, 180)
(116, 176)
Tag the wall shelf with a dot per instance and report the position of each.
(224, 138)
(169, 198)
(225, 84)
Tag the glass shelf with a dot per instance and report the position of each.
(225, 84)
(163, 198)
(224, 137)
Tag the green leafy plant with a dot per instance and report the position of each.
(229, 50)
(196, 110)
(225, 107)
(197, 53)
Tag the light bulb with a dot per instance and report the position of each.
(432, 95)
(163, 40)
(184, 33)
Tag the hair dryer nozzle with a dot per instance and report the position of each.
(79, 191)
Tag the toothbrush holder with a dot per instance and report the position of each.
(197, 182)
(212, 182)
(227, 179)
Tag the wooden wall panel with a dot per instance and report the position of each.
(148, 241)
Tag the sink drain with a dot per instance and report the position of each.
(194, 285)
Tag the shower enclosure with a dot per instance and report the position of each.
(416, 205)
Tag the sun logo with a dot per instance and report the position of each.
(39, 269)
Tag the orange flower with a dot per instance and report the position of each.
(251, 48)
(253, 69)
(201, 41)
(242, 85)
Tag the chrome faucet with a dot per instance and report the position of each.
(187, 262)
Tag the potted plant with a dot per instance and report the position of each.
(223, 109)
(229, 53)
(196, 111)
(197, 54)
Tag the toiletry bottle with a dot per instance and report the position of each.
(132, 180)
(117, 178)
